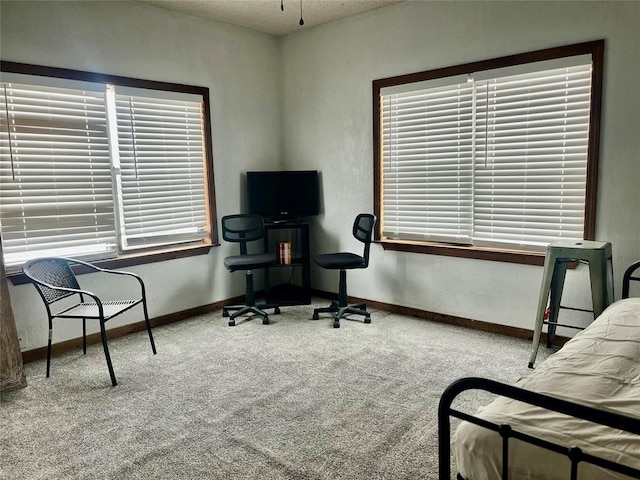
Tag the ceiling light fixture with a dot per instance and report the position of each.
(282, 9)
(301, 20)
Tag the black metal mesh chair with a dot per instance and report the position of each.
(343, 261)
(242, 229)
(54, 279)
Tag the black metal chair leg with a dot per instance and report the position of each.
(84, 336)
(103, 334)
(49, 350)
(148, 323)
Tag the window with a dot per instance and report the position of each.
(102, 168)
(497, 156)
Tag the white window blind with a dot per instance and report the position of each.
(55, 174)
(498, 161)
(90, 173)
(160, 143)
(427, 150)
(531, 157)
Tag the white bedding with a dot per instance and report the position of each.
(599, 367)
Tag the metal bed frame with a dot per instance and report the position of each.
(575, 454)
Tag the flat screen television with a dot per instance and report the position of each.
(284, 195)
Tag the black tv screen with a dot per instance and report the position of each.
(283, 195)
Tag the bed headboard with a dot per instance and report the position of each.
(629, 277)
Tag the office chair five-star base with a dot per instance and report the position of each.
(343, 312)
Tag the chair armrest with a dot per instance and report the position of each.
(106, 270)
(98, 269)
(627, 278)
(71, 291)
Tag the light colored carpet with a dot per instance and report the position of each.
(296, 399)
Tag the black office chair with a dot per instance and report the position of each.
(243, 229)
(54, 280)
(343, 261)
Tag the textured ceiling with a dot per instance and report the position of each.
(266, 15)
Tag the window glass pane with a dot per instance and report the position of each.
(91, 174)
(531, 157)
(160, 144)
(427, 163)
(55, 175)
(498, 160)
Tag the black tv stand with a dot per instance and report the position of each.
(286, 293)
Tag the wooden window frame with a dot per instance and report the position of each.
(156, 254)
(593, 48)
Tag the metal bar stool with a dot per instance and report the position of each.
(559, 255)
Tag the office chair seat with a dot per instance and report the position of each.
(92, 310)
(248, 262)
(336, 261)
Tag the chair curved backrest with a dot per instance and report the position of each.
(51, 271)
(363, 231)
(242, 228)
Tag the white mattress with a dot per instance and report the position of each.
(599, 367)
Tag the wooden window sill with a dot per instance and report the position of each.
(129, 260)
(465, 251)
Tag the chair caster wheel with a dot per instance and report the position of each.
(367, 319)
(276, 311)
(265, 321)
(315, 316)
(336, 324)
(225, 313)
(232, 323)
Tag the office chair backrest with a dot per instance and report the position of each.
(363, 231)
(52, 271)
(242, 228)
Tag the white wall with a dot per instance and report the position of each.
(241, 70)
(327, 75)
